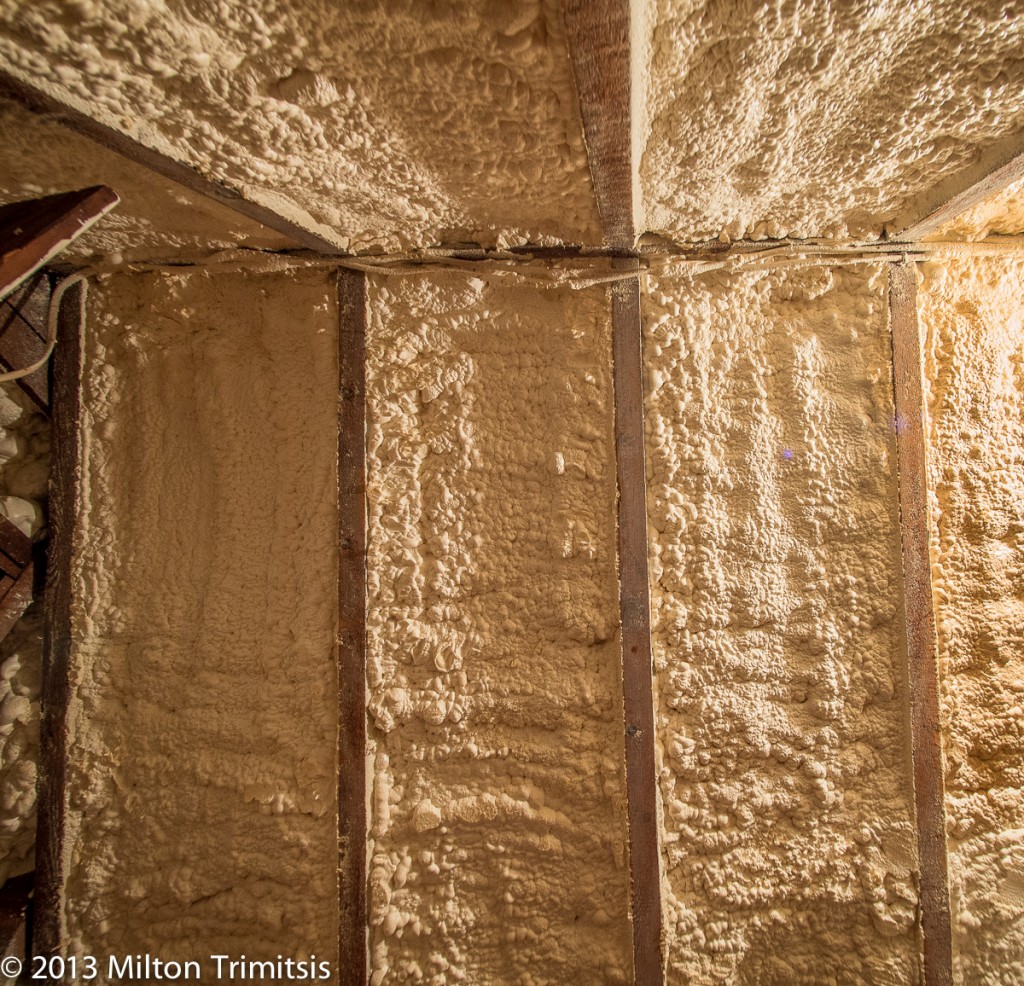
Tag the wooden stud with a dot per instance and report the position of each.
(352, 816)
(65, 471)
(33, 232)
(635, 608)
(1005, 166)
(598, 35)
(926, 734)
(44, 105)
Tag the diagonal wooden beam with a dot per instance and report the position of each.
(926, 735)
(65, 475)
(598, 32)
(35, 231)
(635, 609)
(1000, 167)
(41, 103)
(352, 956)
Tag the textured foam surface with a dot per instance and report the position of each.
(776, 119)
(202, 811)
(1001, 214)
(156, 219)
(973, 314)
(498, 836)
(375, 124)
(781, 708)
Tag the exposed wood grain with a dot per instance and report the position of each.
(1002, 166)
(35, 231)
(598, 35)
(926, 736)
(23, 336)
(42, 104)
(634, 604)
(352, 629)
(64, 485)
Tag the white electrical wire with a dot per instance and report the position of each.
(575, 272)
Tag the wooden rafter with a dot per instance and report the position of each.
(598, 35)
(44, 105)
(34, 232)
(64, 485)
(352, 629)
(1002, 168)
(926, 735)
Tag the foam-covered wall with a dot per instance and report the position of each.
(781, 694)
(972, 312)
(822, 119)
(202, 806)
(375, 124)
(497, 842)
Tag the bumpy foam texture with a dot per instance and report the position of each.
(375, 124)
(781, 706)
(498, 836)
(202, 811)
(24, 461)
(973, 314)
(156, 219)
(1001, 214)
(776, 119)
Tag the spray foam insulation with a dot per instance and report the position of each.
(781, 692)
(999, 214)
(972, 314)
(202, 809)
(156, 218)
(497, 842)
(380, 125)
(819, 119)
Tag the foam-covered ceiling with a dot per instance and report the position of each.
(156, 219)
(378, 124)
(807, 119)
(384, 125)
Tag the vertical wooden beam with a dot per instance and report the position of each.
(352, 946)
(634, 604)
(598, 35)
(926, 735)
(65, 471)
